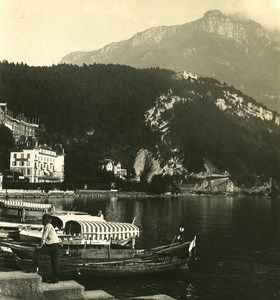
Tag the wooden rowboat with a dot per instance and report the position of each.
(124, 267)
(101, 252)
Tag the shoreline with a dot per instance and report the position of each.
(29, 194)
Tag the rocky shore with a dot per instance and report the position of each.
(21, 194)
(185, 190)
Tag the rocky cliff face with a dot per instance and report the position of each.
(152, 36)
(146, 163)
(169, 155)
(232, 49)
(230, 27)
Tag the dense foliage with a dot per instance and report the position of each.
(97, 112)
(6, 143)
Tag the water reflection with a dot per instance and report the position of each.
(238, 244)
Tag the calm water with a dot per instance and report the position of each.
(238, 241)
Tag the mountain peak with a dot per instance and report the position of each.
(233, 27)
(228, 47)
(214, 12)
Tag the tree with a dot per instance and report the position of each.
(6, 142)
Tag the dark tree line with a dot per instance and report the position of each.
(97, 112)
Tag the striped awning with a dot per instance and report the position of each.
(61, 219)
(27, 205)
(102, 230)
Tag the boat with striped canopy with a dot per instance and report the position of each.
(19, 204)
(33, 211)
(96, 230)
(23, 210)
(86, 230)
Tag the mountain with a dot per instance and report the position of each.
(123, 113)
(229, 48)
(203, 120)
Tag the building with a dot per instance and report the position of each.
(19, 126)
(110, 165)
(185, 75)
(40, 164)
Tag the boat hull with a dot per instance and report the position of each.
(101, 262)
(179, 250)
(129, 267)
(12, 213)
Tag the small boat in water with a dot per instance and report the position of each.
(124, 267)
(101, 251)
(32, 211)
(85, 230)
(107, 260)
(83, 235)
(12, 230)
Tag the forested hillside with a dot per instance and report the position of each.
(100, 111)
(94, 111)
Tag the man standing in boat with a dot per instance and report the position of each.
(49, 245)
(180, 236)
(21, 213)
(100, 215)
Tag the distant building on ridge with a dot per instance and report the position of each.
(185, 75)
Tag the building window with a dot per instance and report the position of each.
(22, 163)
(28, 171)
(22, 155)
(28, 163)
(28, 155)
(15, 155)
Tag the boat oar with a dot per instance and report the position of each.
(173, 240)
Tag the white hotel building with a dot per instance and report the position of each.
(38, 164)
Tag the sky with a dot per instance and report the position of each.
(41, 32)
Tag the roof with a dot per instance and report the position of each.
(102, 230)
(60, 220)
(27, 205)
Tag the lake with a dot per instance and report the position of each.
(237, 244)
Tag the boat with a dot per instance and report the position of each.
(32, 210)
(124, 267)
(20, 249)
(101, 251)
(85, 230)
(78, 230)
(106, 261)
(178, 249)
(17, 226)
(5, 234)
(12, 230)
